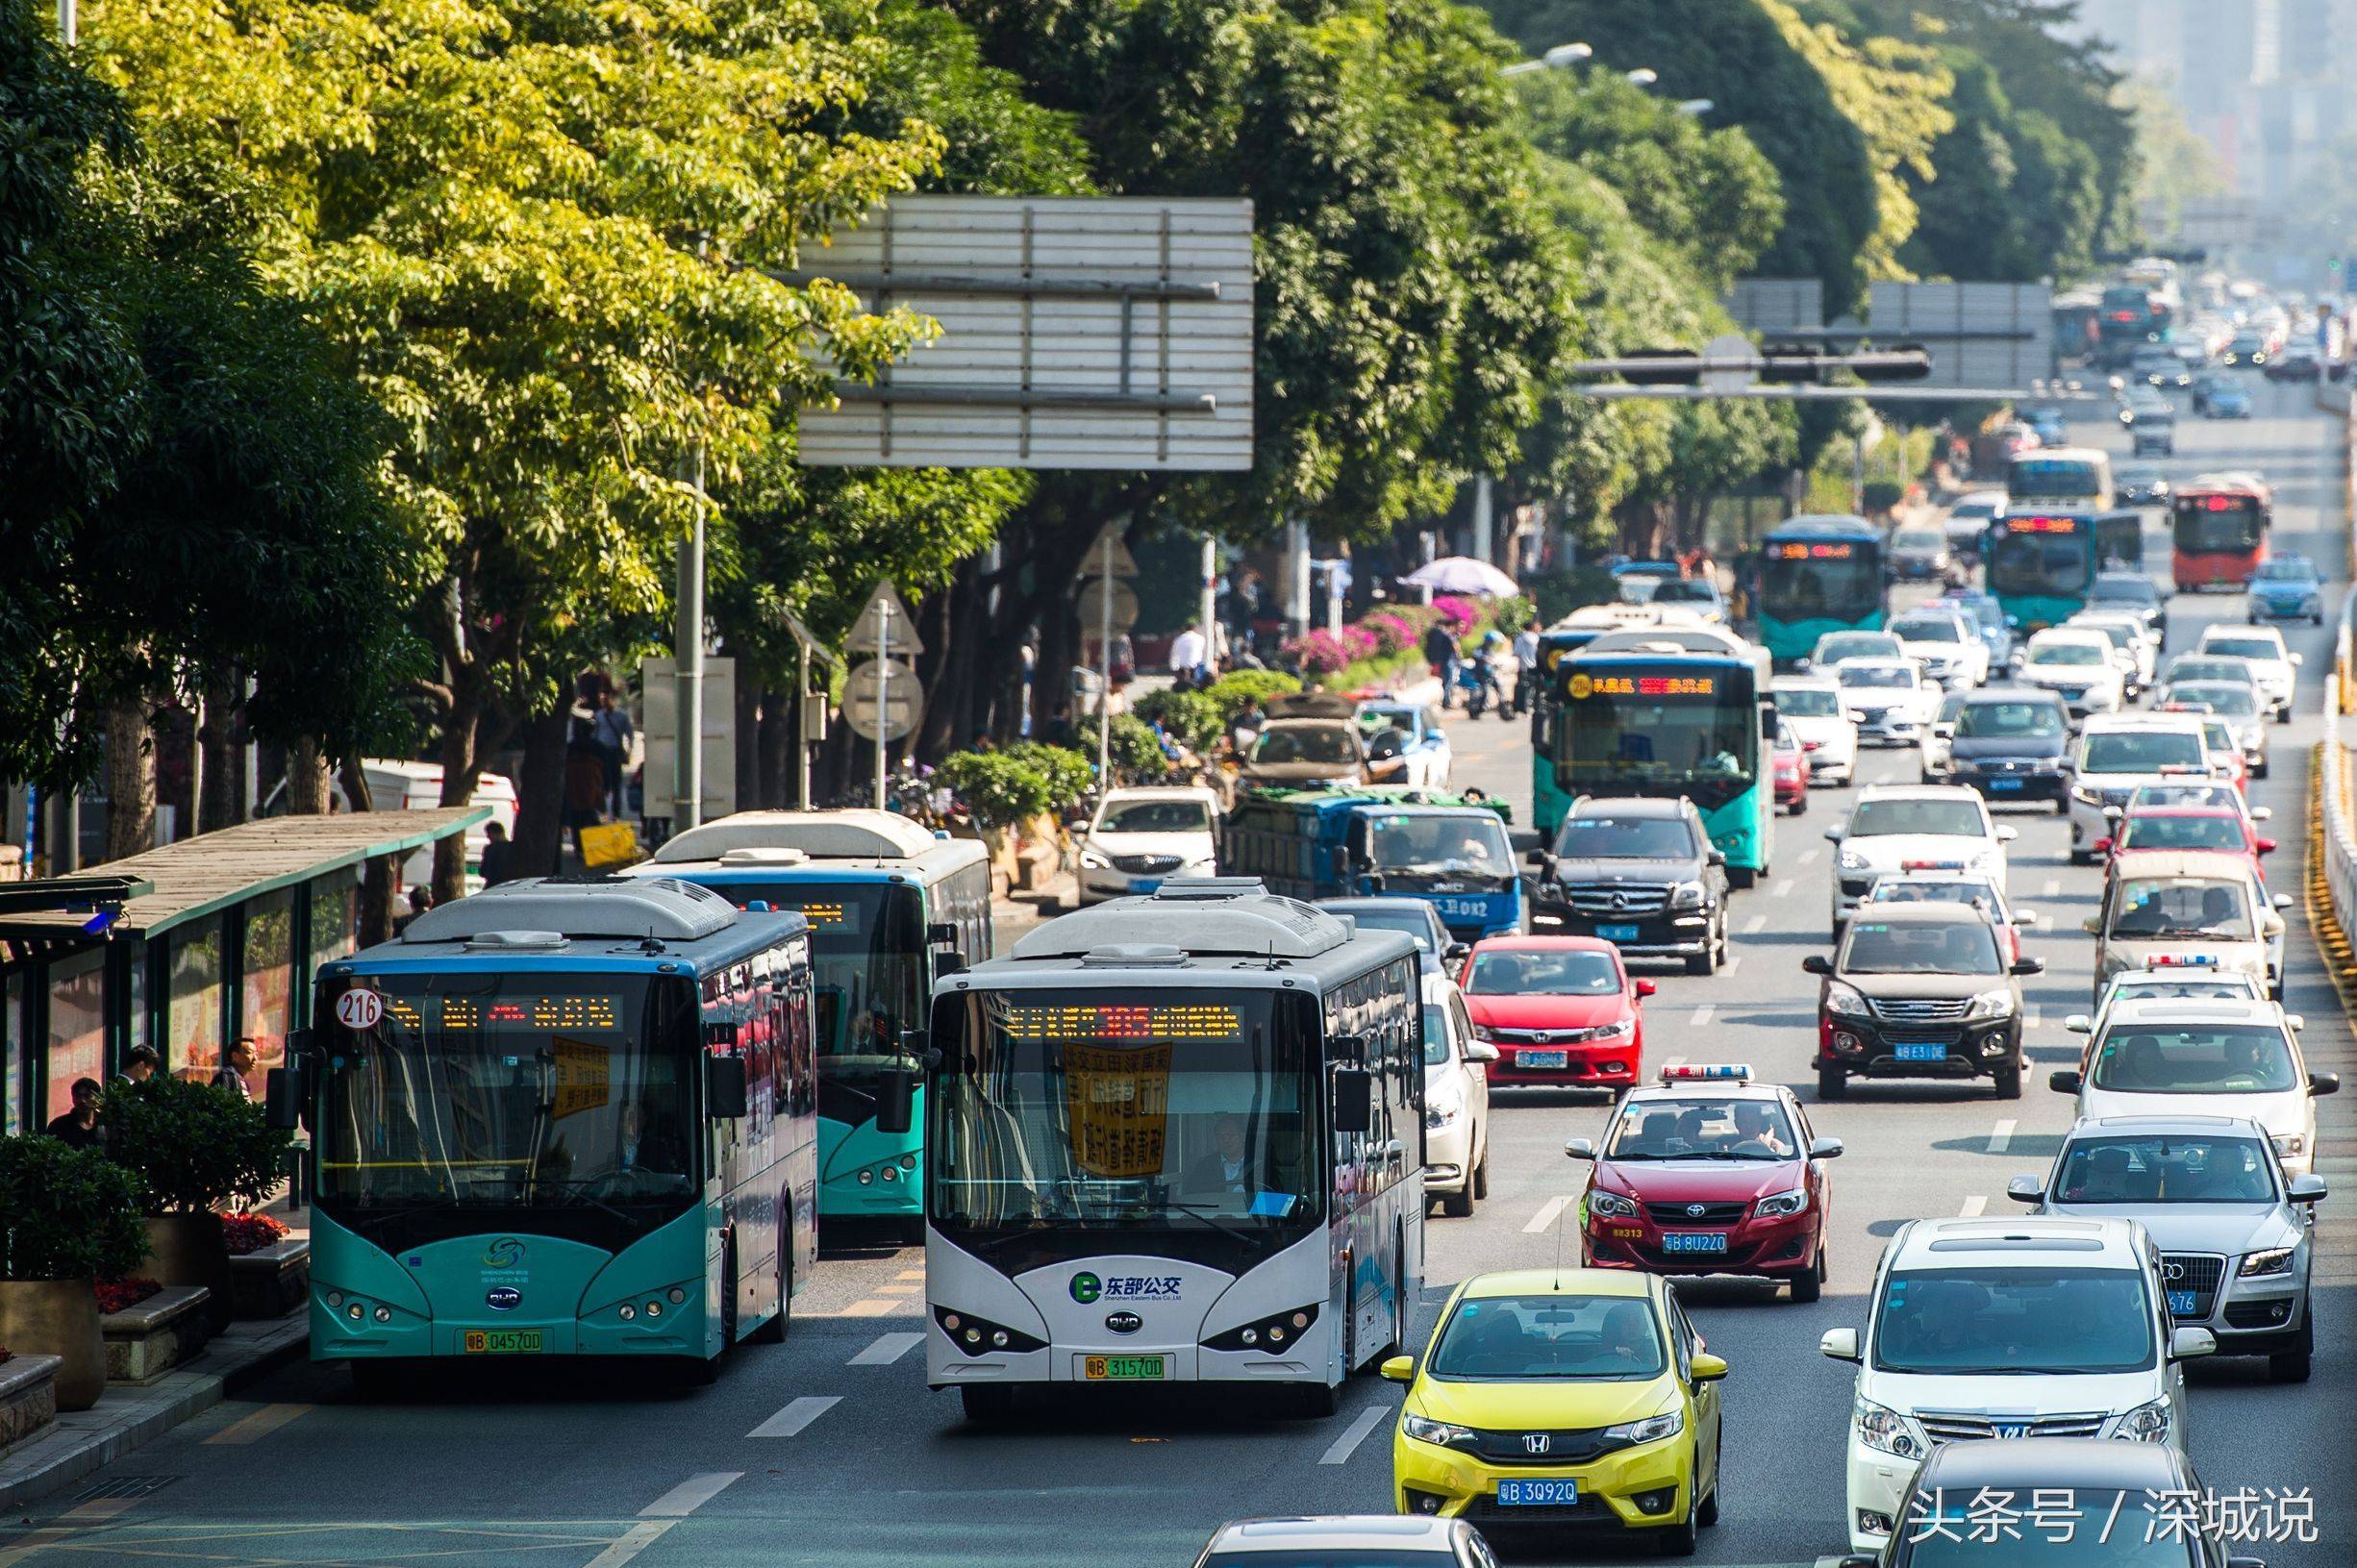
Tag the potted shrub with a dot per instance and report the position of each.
(197, 1149)
(72, 1219)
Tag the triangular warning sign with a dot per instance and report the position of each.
(884, 624)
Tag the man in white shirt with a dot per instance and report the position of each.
(1191, 655)
(1527, 662)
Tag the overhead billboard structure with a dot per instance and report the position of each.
(1981, 335)
(1774, 305)
(1075, 333)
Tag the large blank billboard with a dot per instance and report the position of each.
(1075, 333)
(1999, 336)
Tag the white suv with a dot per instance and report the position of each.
(2076, 664)
(2274, 669)
(1894, 824)
(1890, 699)
(2007, 1328)
(1951, 651)
(2117, 755)
(1812, 705)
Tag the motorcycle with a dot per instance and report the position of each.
(1477, 678)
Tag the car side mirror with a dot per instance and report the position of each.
(2006, 835)
(2092, 925)
(2064, 1081)
(2103, 846)
(2113, 813)
(2298, 658)
(2266, 846)
(2030, 966)
(1816, 963)
(282, 1098)
(1944, 731)
(2262, 814)
(2191, 1344)
(2296, 1021)
(2281, 901)
(1456, 953)
(1834, 833)
(1825, 1149)
(2026, 1189)
(1398, 1369)
(1646, 987)
(2323, 1084)
(2078, 1023)
(2271, 926)
(1708, 1368)
(1840, 1344)
(1480, 1051)
(725, 1094)
(2306, 1189)
(1579, 1148)
(1354, 1100)
(1717, 857)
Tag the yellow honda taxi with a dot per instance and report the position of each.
(1566, 1398)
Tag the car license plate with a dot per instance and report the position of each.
(2003, 784)
(1917, 1051)
(1693, 1242)
(1122, 1368)
(1541, 1059)
(1538, 1493)
(503, 1341)
(1144, 884)
(1618, 934)
(2181, 1303)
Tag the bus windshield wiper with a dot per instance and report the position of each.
(1208, 1217)
(579, 1190)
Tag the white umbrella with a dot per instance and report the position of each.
(1463, 574)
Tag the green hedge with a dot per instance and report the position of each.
(1000, 789)
(195, 1147)
(1195, 718)
(71, 1213)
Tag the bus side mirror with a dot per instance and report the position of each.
(724, 1088)
(896, 1101)
(1354, 1100)
(940, 934)
(952, 962)
(1767, 724)
(282, 1097)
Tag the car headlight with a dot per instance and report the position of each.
(1778, 1205)
(1440, 1113)
(1879, 1427)
(1612, 1205)
(1482, 1032)
(1846, 1001)
(1651, 1430)
(2086, 796)
(1852, 860)
(1615, 1030)
(2274, 1260)
(2145, 1423)
(1989, 1005)
(1687, 895)
(1091, 861)
(2291, 1143)
(1439, 1433)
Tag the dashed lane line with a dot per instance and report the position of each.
(254, 1427)
(1974, 1206)
(658, 1518)
(796, 1415)
(1733, 964)
(1338, 1452)
(2029, 1015)
(1540, 1223)
(1808, 856)
(1782, 889)
(886, 1348)
(2002, 1137)
(1757, 924)
(1702, 1014)
(2052, 888)
(872, 1306)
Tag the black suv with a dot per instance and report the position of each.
(2010, 744)
(1919, 990)
(1642, 875)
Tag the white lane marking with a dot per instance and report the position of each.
(1757, 924)
(2053, 888)
(1974, 1206)
(2029, 1015)
(887, 1349)
(1734, 963)
(691, 1494)
(1540, 1223)
(796, 1415)
(1702, 1013)
(1782, 889)
(634, 1541)
(2002, 1138)
(1338, 1452)
(1808, 856)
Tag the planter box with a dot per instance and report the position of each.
(27, 1396)
(145, 1341)
(271, 1280)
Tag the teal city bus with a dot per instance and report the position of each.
(560, 1118)
(890, 905)
(1695, 725)
(1818, 575)
(2042, 565)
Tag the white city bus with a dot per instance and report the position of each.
(1176, 1139)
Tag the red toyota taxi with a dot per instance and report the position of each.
(1709, 1173)
(1562, 1011)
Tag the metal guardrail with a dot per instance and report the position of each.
(2338, 837)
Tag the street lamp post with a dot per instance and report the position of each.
(1562, 57)
(1644, 76)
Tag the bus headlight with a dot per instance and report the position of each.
(1269, 1335)
(979, 1336)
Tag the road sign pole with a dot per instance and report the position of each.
(884, 694)
(688, 637)
(1207, 606)
(1104, 660)
(802, 741)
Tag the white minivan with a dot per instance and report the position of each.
(2030, 1327)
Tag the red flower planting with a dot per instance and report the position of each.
(114, 1295)
(251, 1233)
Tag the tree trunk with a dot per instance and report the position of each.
(462, 727)
(220, 745)
(539, 796)
(747, 737)
(305, 779)
(131, 779)
(354, 777)
(377, 880)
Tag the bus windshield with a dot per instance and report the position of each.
(867, 964)
(2048, 563)
(2056, 478)
(2218, 522)
(1060, 1110)
(1806, 585)
(1696, 727)
(475, 1092)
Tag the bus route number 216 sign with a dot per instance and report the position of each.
(359, 1011)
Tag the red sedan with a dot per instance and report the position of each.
(2189, 827)
(1562, 1011)
(1792, 771)
(1709, 1173)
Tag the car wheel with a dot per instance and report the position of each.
(1809, 1285)
(1680, 1539)
(1704, 962)
(1481, 1171)
(1458, 1204)
(2082, 856)
(1708, 1513)
(2259, 772)
(2061, 805)
(1832, 1083)
(2283, 714)
(2292, 1365)
(2009, 1082)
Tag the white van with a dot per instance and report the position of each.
(398, 786)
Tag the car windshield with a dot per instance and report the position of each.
(1683, 1129)
(1837, 646)
(1897, 677)
(1808, 703)
(1411, 916)
(1561, 1334)
(2166, 1168)
(1625, 839)
(2126, 590)
(1929, 628)
(2197, 668)
(1155, 816)
(2237, 647)
(1513, 972)
(2010, 720)
(2194, 1058)
(2187, 794)
(2141, 751)
(2207, 831)
(2075, 652)
(2076, 1528)
(1305, 743)
(2173, 908)
(1882, 818)
(1919, 538)
(1919, 891)
(1945, 947)
(2284, 570)
(2119, 635)
(1986, 1320)
(1675, 590)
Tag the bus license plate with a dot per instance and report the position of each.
(503, 1341)
(1122, 1368)
(1618, 934)
(1915, 1051)
(1561, 1494)
(1693, 1242)
(1541, 1059)
(2181, 1303)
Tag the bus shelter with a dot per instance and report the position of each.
(188, 948)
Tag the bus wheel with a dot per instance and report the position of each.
(912, 1230)
(378, 1382)
(775, 1332)
(988, 1405)
(1311, 1400)
(1740, 875)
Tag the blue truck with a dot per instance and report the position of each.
(1448, 849)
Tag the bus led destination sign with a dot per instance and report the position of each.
(2043, 525)
(1124, 1023)
(1584, 686)
(1803, 550)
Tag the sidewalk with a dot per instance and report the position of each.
(125, 1417)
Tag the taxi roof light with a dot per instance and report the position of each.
(2184, 961)
(1933, 865)
(1693, 1072)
